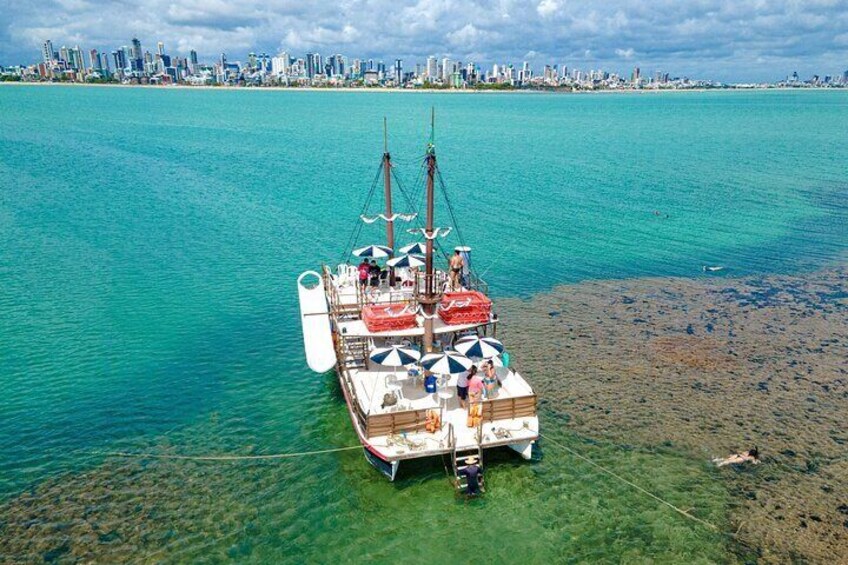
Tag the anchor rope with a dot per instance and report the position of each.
(222, 457)
(632, 484)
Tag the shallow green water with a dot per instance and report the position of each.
(149, 243)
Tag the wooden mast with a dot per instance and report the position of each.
(429, 299)
(387, 177)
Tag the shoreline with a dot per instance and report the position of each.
(552, 91)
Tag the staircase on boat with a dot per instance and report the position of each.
(458, 457)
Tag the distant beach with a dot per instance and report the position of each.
(551, 91)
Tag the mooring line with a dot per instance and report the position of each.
(221, 457)
(632, 484)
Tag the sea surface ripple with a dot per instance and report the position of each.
(149, 244)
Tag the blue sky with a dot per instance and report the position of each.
(738, 40)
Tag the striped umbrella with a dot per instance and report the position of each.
(376, 251)
(482, 347)
(414, 249)
(395, 355)
(447, 363)
(405, 261)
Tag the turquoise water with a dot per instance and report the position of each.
(149, 244)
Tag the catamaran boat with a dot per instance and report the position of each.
(401, 342)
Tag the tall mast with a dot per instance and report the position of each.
(428, 302)
(387, 177)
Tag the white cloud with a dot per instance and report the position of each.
(547, 8)
(625, 53)
(466, 37)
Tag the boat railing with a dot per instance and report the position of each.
(341, 345)
(439, 283)
(402, 421)
(509, 408)
(474, 282)
(479, 432)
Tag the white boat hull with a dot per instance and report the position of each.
(524, 448)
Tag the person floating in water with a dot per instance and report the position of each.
(751, 456)
(473, 473)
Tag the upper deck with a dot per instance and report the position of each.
(346, 299)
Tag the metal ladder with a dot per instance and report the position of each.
(458, 457)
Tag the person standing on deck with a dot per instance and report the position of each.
(473, 473)
(462, 385)
(363, 268)
(475, 399)
(456, 264)
(374, 274)
(491, 382)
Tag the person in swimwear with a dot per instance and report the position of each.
(750, 456)
(456, 264)
(491, 383)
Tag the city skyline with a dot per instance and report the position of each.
(743, 41)
(132, 63)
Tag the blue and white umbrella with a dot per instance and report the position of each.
(395, 355)
(480, 347)
(447, 363)
(376, 251)
(414, 249)
(405, 261)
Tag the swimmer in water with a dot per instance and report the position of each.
(751, 456)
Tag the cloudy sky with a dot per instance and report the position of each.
(736, 40)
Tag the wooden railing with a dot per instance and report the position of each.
(395, 422)
(509, 408)
(344, 372)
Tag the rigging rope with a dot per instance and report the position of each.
(357, 228)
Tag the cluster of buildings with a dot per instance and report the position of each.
(132, 64)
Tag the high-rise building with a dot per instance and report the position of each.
(192, 61)
(47, 52)
(160, 48)
(104, 62)
(447, 69)
(398, 71)
(136, 56)
(432, 68)
(312, 60)
(281, 64)
(136, 51)
(76, 60)
(94, 60)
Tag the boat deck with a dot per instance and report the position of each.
(372, 385)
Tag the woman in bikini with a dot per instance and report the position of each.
(490, 380)
(751, 456)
